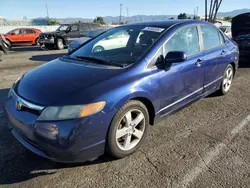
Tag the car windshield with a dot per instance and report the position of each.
(62, 28)
(122, 45)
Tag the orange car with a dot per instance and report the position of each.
(23, 36)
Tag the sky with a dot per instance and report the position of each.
(17, 9)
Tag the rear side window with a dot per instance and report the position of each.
(211, 37)
(186, 40)
(74, 28)
(22, 31)
(85, 27)
(29, 31)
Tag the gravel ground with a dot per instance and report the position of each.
(203, 145)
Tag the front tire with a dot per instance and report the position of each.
(227, 80)
(9, 44)
(128, 129)
(59, 44)
(36, 42)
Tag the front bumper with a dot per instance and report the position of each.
(77, 140)
(46, 40)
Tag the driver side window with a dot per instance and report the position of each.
(186, 40)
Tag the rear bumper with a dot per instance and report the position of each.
(77, 140)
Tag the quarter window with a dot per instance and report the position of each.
(186, 40)
(211, 38)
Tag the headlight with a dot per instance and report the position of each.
(10, 91)
(71, 112)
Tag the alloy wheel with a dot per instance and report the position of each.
(130, 130)
(227, 80)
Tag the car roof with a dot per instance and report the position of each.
(167, 23)
(27, 28)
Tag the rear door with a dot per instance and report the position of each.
(183, 82)
(29, 35)
(217, 56)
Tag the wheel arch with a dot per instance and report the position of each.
(234, 67)
(144, 98)
(149, 105)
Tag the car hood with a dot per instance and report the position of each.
(60, 78)
(241, 24)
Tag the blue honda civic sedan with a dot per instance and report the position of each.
(103, 96)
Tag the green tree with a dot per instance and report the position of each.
(53, 22)
(99, 20)
(228, 18)
(171, 18)
(182, 16)
(122, 23)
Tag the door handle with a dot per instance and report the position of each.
(199, 62)
(223, 52)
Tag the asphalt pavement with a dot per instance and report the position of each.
(204, 145)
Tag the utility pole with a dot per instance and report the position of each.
(194, 15)
(205, 10)
(127, 14)
(47, 12)
(120, 13)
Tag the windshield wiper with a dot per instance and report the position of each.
(102, 61)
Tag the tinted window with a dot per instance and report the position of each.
(17, 31)
(186, 40)
(85, 27)
(29, 31)
(211, 38)
(74, 28)
(22, 31)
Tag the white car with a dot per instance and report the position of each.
(226, 30)
(118, 40)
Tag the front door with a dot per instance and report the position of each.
(183, 82)
(73, 33)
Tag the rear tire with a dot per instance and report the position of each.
(227, 80)
(59, 44)
(37, 42)
(128, 129)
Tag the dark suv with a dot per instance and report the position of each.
(241, 33)
(65, 34)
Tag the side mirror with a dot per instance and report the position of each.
(174, 57)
